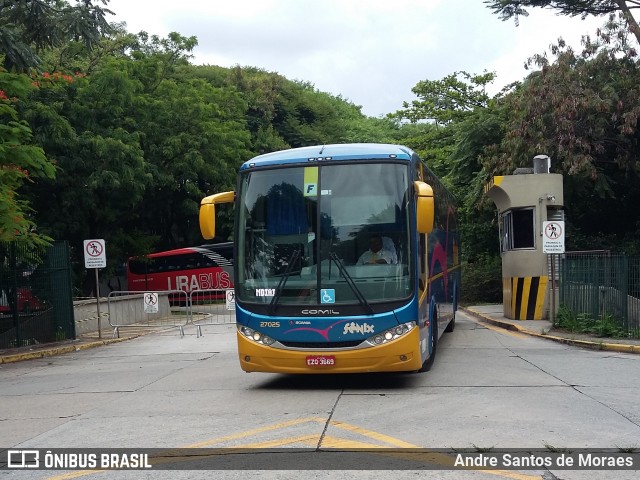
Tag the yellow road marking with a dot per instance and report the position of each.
(375, 435)
(313, 440)
(80, 473)
(248, 433)
(427, 457)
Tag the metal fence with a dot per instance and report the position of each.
(602, 287)
(211, 307)
(168, 309)
(36, 303)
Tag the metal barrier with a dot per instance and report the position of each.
(602, 286)
(36, 304)
(211, 307)
(168, 308)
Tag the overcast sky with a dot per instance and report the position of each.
(370, 52)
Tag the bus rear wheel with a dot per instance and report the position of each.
(452, 325)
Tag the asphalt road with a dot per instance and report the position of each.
(489, 389)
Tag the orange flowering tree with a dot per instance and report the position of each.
(20, 161)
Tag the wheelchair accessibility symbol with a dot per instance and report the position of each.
(327, 295)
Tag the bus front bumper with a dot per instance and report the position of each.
(400, 355)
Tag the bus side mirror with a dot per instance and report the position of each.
(207, 216)
(425, 207)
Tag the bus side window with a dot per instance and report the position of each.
(155, 265)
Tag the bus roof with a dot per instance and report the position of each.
(184, 250)
(345, 151)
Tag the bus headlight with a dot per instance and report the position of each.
(256, 336)
(391, 334)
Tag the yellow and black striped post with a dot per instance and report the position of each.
(524, 297)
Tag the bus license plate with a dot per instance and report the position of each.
(321, 361)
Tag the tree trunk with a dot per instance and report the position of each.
(631, 21)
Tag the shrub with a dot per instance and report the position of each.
(482, 281)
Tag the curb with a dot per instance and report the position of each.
(50, 352)
(611, 347)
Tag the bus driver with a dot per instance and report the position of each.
(379, 252)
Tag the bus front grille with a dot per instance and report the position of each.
(321, 345)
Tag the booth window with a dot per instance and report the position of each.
(517, 229)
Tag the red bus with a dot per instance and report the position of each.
(26, 301)
(191, 268)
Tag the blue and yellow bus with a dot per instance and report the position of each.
(308, 297)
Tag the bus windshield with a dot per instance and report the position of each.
(326, 234)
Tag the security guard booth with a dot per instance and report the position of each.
(525, 200)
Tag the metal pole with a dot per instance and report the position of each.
(98, 303)
(553, 290)
(12, 298)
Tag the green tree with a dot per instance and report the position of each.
(453, 123)
(475, 138)
(73, 56)
(447, 100)
(138, 143)
(86, 127)
(441, 107)
(282, 113)
(27, 27)
(193, 147)
(195, 137)
(507, 9)
(436, 117)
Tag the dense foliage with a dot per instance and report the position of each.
(582, 109)
(105, 134)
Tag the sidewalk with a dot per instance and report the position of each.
(493, 314)
(84, 341)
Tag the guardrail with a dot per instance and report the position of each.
(168, 308)
(211, 307)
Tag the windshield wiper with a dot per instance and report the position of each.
(283, 280)
(351, 283)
